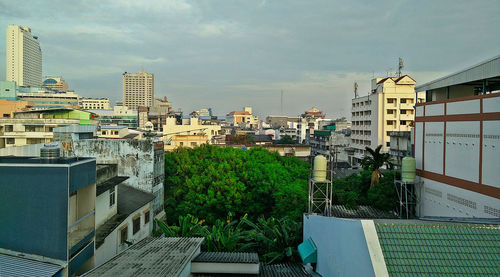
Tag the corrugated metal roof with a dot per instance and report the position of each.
(275, 270)
(360, 212)
(484, 70)
(227, 257)
(16, 266)
(151, 257)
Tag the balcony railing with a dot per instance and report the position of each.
(81, 231)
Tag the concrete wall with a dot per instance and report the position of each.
(103, 211)
(341, 243)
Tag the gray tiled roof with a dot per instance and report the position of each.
(151, 257)
(130, 199)
(227, 257)
(108, 184)
(16, 266)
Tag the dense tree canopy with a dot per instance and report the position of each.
(208, 182)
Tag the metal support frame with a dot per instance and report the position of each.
(407, 198)
(320, 197)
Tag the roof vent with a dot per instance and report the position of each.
(50, 151)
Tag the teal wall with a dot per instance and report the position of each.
(8, 90)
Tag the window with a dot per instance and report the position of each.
(193, 143)
(11, 140)
(390, 100)
(136, 224)
(146, 217)
(402, 122)
(6, 115)
(403, 100)
(403, 111)
(9, 128)
(123, 234)
(112, 196)
(389, 122)
(116, 132)
(181, 143)
(390, 111)
(388, 144)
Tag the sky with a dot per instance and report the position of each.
(230, 54)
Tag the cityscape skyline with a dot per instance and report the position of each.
(244, 54)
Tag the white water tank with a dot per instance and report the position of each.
(319, 168)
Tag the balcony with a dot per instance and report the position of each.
(81, 232)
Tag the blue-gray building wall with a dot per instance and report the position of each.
(341, 244)
(34, 210)
(82, 175)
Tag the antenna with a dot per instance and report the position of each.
(355, 89)
(400, 66)
(281, 102)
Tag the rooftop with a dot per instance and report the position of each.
(130, 199)
(275, 270)
(484, 70)
(151, 257)
(20, 161)
(341, 211)
(440, 249)
(227, 257)
(21, 267)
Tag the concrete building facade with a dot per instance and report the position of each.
(138, 89)
(457, 142)
(94, 103)
(388, 108)
(23, 57)
(244, 119)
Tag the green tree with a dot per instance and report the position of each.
(286, 139)
(209, 181)
(374, 162)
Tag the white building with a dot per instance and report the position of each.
(94, 103)
(138, 89)
(191, 126)
(388, 108)
(457, 143)
(122, 214)
(23, 57)
(244, 119)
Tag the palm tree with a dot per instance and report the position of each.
(374, 162)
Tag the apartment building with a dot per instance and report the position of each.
(94, 103)
(308, 122)
(46, 99)
(138, 89)
(388, 108)
(48, 213)
(23, 57)
(457, 142)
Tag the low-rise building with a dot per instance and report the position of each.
(36, 126)
(48, 211)
(123, 214)
(9, 107)
(189, 126)
(189, 141)
(334, 145)
(94, 103)
(119, 115)
(57, 84)
(47, 99)
(118, 132)
(244, 119)
(401, 147)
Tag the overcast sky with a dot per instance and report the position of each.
(230, 54)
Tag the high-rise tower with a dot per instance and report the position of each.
(138, 89)
(24, 57)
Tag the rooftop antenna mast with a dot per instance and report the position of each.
(281, 102)
(355, 89)
(400, 66)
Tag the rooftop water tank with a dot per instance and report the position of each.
(319, 168)
(50, 151)
(408, 170)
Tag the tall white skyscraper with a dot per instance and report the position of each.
(138, 89)
(24, 57)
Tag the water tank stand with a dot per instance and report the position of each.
(407, 198)
(320, 197)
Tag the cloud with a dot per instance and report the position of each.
(216, 29)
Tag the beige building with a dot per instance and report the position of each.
(191, 126)
(8, 107)
(243, 118)
(23, 57)
(388, 108)
(189, 141)
(138, 89)
(94, 103)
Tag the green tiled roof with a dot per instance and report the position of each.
(440, 249)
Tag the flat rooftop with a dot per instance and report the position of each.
(9, 160)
